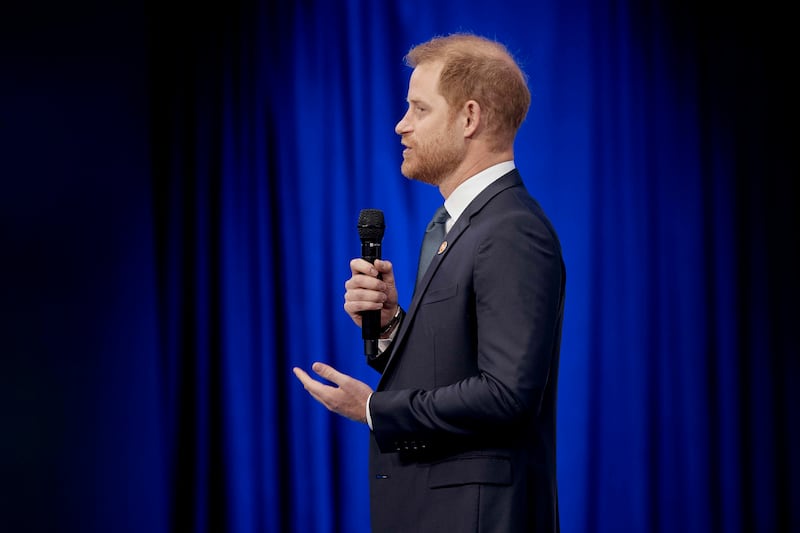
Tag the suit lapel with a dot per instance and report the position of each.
(511, 179)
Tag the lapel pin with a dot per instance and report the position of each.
(442, 248)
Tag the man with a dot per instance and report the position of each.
(464, 416)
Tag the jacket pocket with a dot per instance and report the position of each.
(483, 469)
(440, 294)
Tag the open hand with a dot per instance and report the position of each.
(348, 398)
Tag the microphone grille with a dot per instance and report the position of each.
(370, 225)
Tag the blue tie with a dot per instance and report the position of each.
(434, 235)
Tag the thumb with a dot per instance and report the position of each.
(385, 268)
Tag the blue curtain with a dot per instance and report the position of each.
(184, 185)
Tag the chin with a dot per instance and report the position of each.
(414, 172)
(407, 171)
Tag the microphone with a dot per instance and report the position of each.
(370, 231)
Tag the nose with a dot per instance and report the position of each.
(402, 126)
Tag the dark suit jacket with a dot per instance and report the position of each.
(464, 415)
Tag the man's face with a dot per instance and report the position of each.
(434, 147)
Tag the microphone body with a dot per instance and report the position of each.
(370, 231)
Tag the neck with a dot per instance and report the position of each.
(471, 166)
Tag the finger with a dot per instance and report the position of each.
(318, 391)
(360, 281)
(383, 266)
(387, 271)
(362, 266)
(356, 308)
(307, 381)
(330, 373)
(365, 295)
(300, 373)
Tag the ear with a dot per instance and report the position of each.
(471, 114)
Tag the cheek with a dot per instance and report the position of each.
(433, 136)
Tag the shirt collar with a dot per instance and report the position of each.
(460, 198)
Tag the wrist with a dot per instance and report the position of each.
(392, 324)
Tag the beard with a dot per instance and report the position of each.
(433, 162)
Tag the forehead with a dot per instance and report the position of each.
(424, 82)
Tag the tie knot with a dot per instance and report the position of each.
(439, 217)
